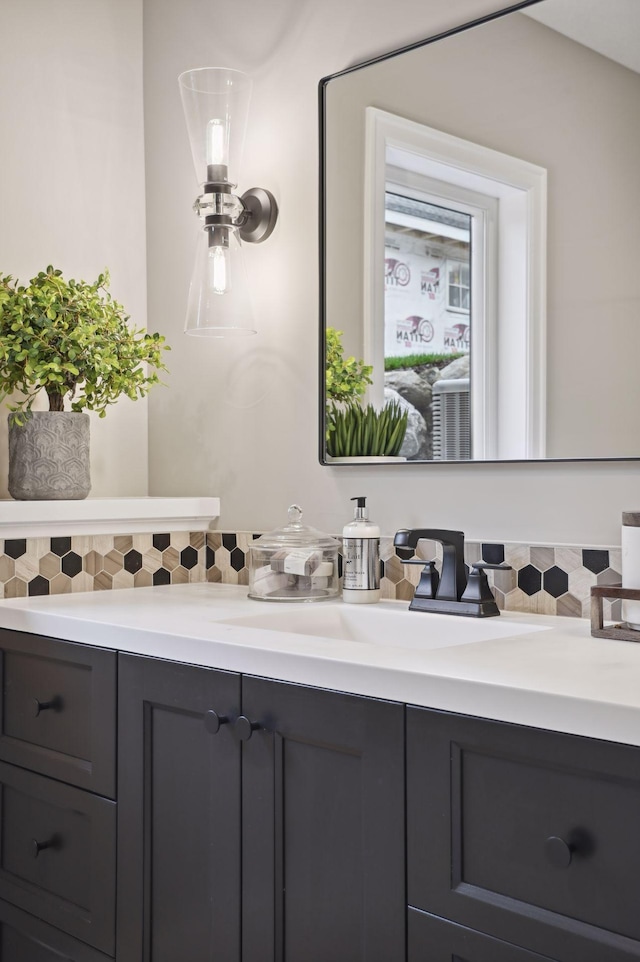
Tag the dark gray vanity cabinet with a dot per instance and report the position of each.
(270, 830)
(57, 808)
(262, 821)
(530, 837)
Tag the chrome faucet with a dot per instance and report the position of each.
(451, 593)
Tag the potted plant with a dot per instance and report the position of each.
(353, 430)
(72, 340)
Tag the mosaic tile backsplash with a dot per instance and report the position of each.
(544, 579)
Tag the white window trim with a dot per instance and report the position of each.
(520, 411)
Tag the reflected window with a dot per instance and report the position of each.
(458, 288)
(427, 317)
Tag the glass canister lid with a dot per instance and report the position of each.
(295, 534)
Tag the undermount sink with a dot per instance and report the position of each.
(383, 625)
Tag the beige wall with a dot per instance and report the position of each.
(240, 419)
(72, 179)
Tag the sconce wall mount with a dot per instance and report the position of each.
(215, 102)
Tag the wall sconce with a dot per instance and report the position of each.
(216, 104)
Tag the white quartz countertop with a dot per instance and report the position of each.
(558, 678)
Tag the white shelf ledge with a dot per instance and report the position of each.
(35, 519)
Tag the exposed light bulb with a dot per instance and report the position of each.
(217, 142)
(219, 269)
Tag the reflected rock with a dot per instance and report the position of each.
(457, 369)
(413, 387)
(417, 441)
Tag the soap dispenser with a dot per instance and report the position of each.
(361, 551)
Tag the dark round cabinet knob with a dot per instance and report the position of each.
(558, 852)
(37, 847)
(245, 728)
(39, 706)
(213, 721)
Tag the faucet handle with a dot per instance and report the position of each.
(478, 589)
(429, 579)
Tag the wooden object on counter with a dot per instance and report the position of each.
(617, 632)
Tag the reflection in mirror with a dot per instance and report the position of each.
(491, 231)
(427, 315)
(481, 234)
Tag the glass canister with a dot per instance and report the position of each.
(294, 563)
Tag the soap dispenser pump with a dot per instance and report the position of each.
(361, 551)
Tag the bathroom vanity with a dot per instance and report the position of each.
(181, 782)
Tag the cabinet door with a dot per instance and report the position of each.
(323, 826)
(435, 940)
(178, 813)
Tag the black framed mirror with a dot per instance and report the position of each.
(480, 236)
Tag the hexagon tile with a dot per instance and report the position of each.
(43, 566)
(543, 578)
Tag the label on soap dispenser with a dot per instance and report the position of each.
(361, 563)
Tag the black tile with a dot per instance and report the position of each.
(237, 559)
(162, 577)
(60, 546)
(209, 558)
(38, 586)
(529, 580)
(339, 565)
(15, 547)
(72, 564)
(256, 536)
(161, 541)
(493, 554)
(556, 581)
(189, 557)
(595, 560)
(132, 561)
(381, 568)
(229, 541)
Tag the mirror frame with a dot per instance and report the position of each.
(322, 85)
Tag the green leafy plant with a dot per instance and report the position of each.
(346, 378)
(356, 431)
(71, 339)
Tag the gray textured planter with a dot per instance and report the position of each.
(49, 457)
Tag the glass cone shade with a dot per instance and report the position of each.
(219, 303)
(216, 104)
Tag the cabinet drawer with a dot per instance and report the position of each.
(436, 940)
(58, 709)
(57, 855)
(26, 939)
(531, 836)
